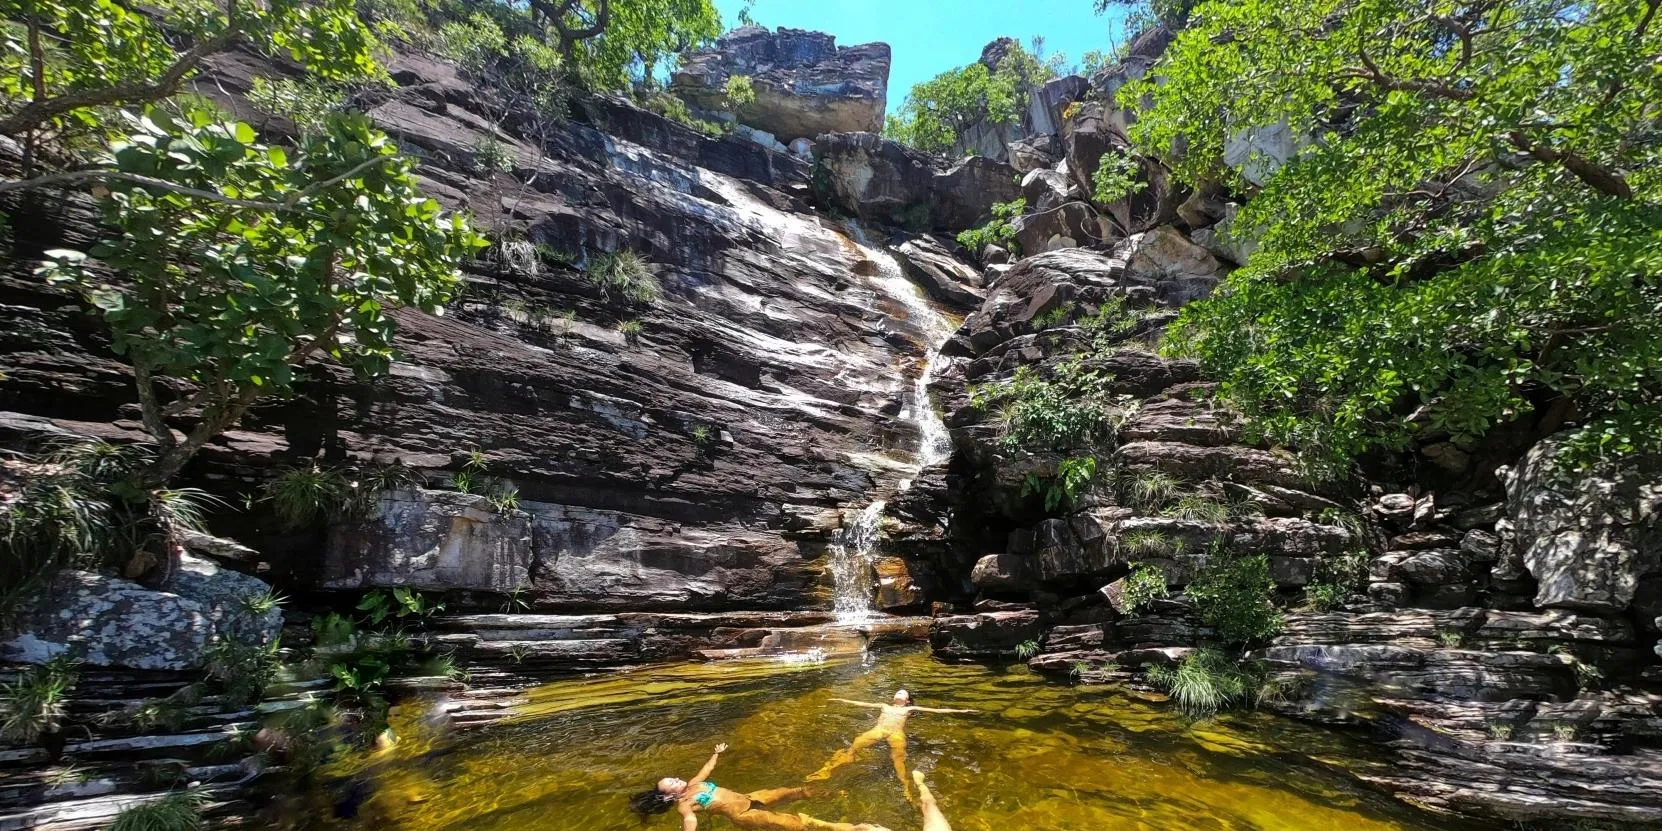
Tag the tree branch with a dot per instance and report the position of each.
(151, 411)
(1620, 83)
(1461, 31)
(73, 177)
(185, 405)
(37, 69)
(213, 422)
(130, 92)
(1598, 178)
(1373, 73)
(602, 17)
(316, 187)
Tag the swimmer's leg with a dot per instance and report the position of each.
(897, 754)
(812, 824)
(933, 819)
(769, 821)
(847, 754)
(774, 796)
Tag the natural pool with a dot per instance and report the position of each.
(1037, 755)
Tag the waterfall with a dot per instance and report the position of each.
(852, 558)
(853, 552)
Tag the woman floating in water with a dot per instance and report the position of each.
(700, 794)
(891, 727)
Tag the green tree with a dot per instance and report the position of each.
(938, 112)
(1470, 233)
(611, 41)
(65, 62)
(230, 262)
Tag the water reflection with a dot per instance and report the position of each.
(1036, 755)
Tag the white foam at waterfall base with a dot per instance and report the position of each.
(853, 553)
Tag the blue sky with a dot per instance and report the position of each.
(928, 37)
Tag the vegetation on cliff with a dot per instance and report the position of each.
(226, 258)
(1468, 234)
(940, 112)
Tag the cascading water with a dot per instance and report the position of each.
(852, 558)
(853, 551)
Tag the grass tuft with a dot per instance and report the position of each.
(174, 812)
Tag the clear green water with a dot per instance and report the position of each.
(1037, 755)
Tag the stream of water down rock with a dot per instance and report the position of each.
(854, 550)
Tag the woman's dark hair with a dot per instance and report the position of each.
(647, 803)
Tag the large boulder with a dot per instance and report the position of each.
(1001, 573)
(1034, 153)
(945, 277)
(1155, 268)
(986, 635)
(1145, 50)
(1166, 258)
(1048, 104)
(899, 586)
(882, 180)
(1258, 152)
(1069, 225)
(1586, 536)
(1092, 139)
(805, 84)
(433, 540)
(1044, 189)
(106, 621)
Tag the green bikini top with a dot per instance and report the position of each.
(702, 799)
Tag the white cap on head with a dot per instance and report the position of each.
(901, 693)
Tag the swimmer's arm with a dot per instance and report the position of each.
(709, 767)
(860, 703)
(689, 820)
(937, 710)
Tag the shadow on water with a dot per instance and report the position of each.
(1035, 755)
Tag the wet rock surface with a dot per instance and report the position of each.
(770, 340)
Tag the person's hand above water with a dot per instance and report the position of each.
(721, 748)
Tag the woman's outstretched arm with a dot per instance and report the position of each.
(709, 767)
(937, 710)
(689, 820)
(859, 703)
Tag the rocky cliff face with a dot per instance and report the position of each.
(699, 461)
(1502, 642)
(699, 450)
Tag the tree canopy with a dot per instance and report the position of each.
(1468, 232)
(608, 44)
(613, 41)
(938, 112)
(230, 261)
(67, 61)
